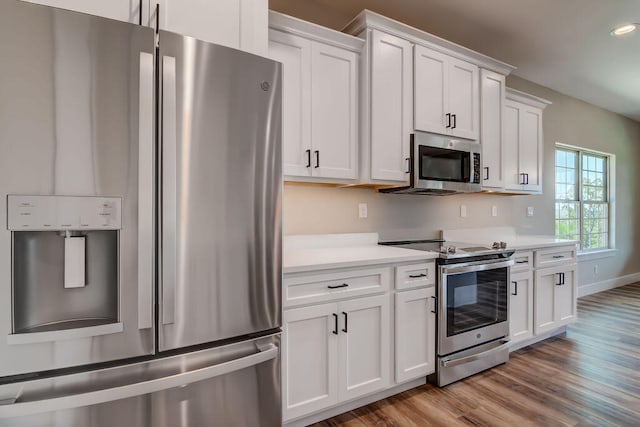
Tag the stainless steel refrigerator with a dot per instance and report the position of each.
(140, 232)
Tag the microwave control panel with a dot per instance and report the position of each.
(47, 213)
(476, 168)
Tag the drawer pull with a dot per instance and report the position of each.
(558, 256)
(344, 285)
(525, 261)
(416, 276)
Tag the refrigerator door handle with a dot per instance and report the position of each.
(145, 192)
(96, 397)
(169, 199)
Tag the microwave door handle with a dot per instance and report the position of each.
(169, 196)
(97, 397)
(145, 191)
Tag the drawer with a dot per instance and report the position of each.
(415, 275)
(524, 261)
(555, 256)
(310, 288)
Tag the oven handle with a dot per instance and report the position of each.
(475, 266)
(455, 362)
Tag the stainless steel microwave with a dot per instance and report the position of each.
(441, 165)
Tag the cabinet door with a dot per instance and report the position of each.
(309, 359)
(521, 307)
(334, 118)
(122, 10)
(492, 94)
(295, 55)
(415, 334)
(430, 91)
(555, 297)
(464, 99)
(364, 347)
(530, 147)
(511, 142)
(391, 103)
(566, 297)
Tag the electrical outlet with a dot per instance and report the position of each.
(362, 210)
(494, 211)
(530, 211)
(595, 269)
(463, 211)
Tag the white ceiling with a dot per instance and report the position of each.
(562, 44)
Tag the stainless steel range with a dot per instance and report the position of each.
(473, 306)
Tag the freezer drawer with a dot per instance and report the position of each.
(234, 385)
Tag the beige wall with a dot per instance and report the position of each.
(316, 210)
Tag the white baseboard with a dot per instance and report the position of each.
(341, 409)
(593, 288)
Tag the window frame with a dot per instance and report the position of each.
(608, 188)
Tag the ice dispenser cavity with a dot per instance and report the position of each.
(65, 261)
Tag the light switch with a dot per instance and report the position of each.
(74, 262)
(463, 211)
(530, 211)
(494, 211)
(362, 210)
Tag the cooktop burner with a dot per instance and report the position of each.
(450, 250)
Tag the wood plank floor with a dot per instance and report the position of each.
(589, 376)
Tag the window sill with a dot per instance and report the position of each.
(592, 255)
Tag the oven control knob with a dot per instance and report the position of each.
(495, 245)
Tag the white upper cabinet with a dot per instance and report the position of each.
(390, 106)
(240, 24)
(523, 147)
(334, 118)
(121, 10)
(492, 99)
(446, 94)
(320, 99)
(295, 55)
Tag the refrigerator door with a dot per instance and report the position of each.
(221, 193)
(76, 119)
(234, 385)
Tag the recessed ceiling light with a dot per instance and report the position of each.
(624, 29)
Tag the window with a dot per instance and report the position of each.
(582, 197)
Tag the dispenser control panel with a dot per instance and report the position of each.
(42, 213)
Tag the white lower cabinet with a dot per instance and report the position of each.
(521, 307)
(333, 353)
(415, 334)
(363, 349)
(554, 297)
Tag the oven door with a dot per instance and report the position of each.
(473, 304)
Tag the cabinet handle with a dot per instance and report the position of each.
(522, 179)
(526, 261)
(515, 288)
(526, 175)
(454, 121)
(558, 256)
(563, 282)
(408, 159)
(560, 279)
(140, 13)
(448, 120)
(435, 305)
(415, 276)
(344, 285)
(317, 159)
(346, 320)
(157, 18)
(308, 158)
(486, 169)
(335, 324)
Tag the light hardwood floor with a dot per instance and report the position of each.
(589, 376)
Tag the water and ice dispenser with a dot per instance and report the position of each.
(65, 261)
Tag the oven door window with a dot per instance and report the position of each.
(476, 300)
(440, 164)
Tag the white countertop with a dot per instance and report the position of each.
(304, 253)
(320, 252)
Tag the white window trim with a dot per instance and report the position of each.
(611, 192)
